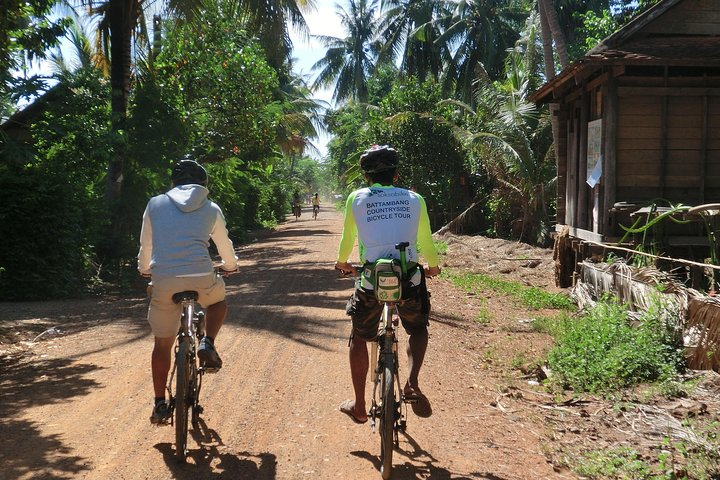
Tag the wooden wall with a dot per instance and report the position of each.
(668, 144)
(695, 17)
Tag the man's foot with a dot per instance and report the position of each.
(207, 354)
(348, 408)
(160, 413)
(418, 401)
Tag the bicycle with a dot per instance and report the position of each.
(297, 210)
(188, 374)
(388, 407)
(316, 210)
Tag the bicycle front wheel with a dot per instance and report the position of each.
(387, 419)
(183, 400)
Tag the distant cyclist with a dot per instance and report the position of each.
(381, 216)
(316, 204)
(176, 232)
(296, 208)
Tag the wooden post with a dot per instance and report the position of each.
(609, 157)
(583, 190)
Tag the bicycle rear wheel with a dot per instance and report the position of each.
(183, 400)
(387, 418)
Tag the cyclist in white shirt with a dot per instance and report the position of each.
(176, 232)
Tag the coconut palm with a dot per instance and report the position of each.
(269, 20)
(349, 61)
(300, 119)
(409, 30)
(483, 31)
(510, 138)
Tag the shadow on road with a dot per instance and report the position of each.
(206, 460)
(415, 462)
(22, 444)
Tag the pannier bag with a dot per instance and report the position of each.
(388, 284)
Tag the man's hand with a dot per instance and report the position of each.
(227, 273)
(345, 268)
(432, 272)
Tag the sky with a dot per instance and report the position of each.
(323, 21)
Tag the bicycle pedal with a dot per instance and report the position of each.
(210, 369)
(411, 400)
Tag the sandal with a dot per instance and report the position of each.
(347, 408)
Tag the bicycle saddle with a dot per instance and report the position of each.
(186, 295)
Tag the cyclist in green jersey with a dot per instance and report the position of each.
(381, 216)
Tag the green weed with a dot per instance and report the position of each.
(530, 297)
(602, 352)
(440, 247)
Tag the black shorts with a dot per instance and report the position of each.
(365, 311)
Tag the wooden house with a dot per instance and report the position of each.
(639, 120)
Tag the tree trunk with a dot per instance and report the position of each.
(547, 8)
(121, 24)
(546, 35)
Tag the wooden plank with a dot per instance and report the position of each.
(629, 119)
(635, 193)
(687, 169)
(639, 180)
(686, 105)
(668, 91)
(571, 183)
(634, 102)
(684, 133)
(683, 181)
(676, 121)
(663, 142)
(638, 143)
(676, 143)
(702, 161)
(634, 156)
(628, 81)
(597, 82)
(635, 169)
(688, 158)
(639, 133)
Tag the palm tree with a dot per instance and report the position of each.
(512, 139)
(483, 30)
(269, 20)
(349, 62)
(409, 30)
(300, 119)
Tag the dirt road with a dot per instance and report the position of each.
(75, 404)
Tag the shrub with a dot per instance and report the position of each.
(602, 351)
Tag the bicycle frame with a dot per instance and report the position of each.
(384, 363)
(186, 366)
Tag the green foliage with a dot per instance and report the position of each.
(602, 351)
(674, 460)
(440, 247)
(226, 86)
(531, 297)
(431, 157)
(614, 462)
(26, 32)
(54, 206)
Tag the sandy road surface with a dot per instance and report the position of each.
(77, 404)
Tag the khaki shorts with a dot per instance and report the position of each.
(164, 314)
